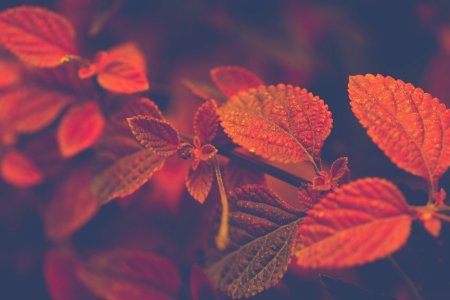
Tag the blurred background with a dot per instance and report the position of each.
(312, 44)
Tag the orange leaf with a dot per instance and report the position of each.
(358, 223)
(281, 123)
(37, 36)
(131, 275)
(433, 226)
(207, 152)
(206, 121)
(71, 206)
(154, 134)
(36, 107)
(232, 80)
(411, 127)
(121, 69)
(199, 181)
(60, 267)
(80, 129)
(18, 170)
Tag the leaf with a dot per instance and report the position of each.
(433, 226)
(281, 123)
(262, 234)
(37, 36)
(338, 168)
(80, 128)
(237, 174)
(37, 107)
(126, 175)
(358, 223)
(154, 134)
(206, 121)
(60, 266)
(321, 182)
(199, 181)
(121, 69)
(201, 288)
(131, 275)
(18, 170)
(204, 90)
(71, 206)
(10, 73)
(232, 80)
(411, 127)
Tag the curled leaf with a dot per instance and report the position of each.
(206, 121)
(411, 127)
(80, 128)
(358, 223)
(261, 236)
(37, 36)
(281, 123)
(126, 175)
(232, 80)
(131, 274)
(154, 134)
(18, 170)
(207, 152)
(199, 181)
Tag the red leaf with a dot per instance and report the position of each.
(18, 170)
(154, 134)
(433, 226)
(358, 223)
(206, 121)
(199, 181)
(232, 80)
(282, 123)
(36, 107)
(411, 127)
(10, 73)
(131, 275)
(60, 267)
(80, 129)
(71, 207)
(321, 182)
(121, 69)
(37, 36)
(338, 168)
(207, 152)
(237, 174)
(204, 90)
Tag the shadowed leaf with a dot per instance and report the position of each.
(199, 181)
(281, 123)
(37, 36)
(262, 234)
(411, 127)
(132, 275)
(358, 223)
(232, 80)
(206, 121)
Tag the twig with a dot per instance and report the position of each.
(409, 283)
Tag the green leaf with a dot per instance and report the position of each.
(262, 233)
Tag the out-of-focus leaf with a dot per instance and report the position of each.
(121, 69)
(281, 123)
(201, 287)
(199, 181)
(126, 175)
(204, 90)
(37, 36)
(154, 134)
(411, 127)
(236, 174)
(60, 269)
(206, 121)
(132, 275)
(232, 80)
(262, 234)
(358, 223)
(80, 128)
(10, 73)
(71, 206)
(18, 170)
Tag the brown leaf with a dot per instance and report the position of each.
(338, 168)
(199, 181)
(206, 121)
(154, 134)
(358, 223)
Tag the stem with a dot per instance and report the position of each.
(409, 283)
(442, 217)
(259, 164)
(431, 192)
(222, 235)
